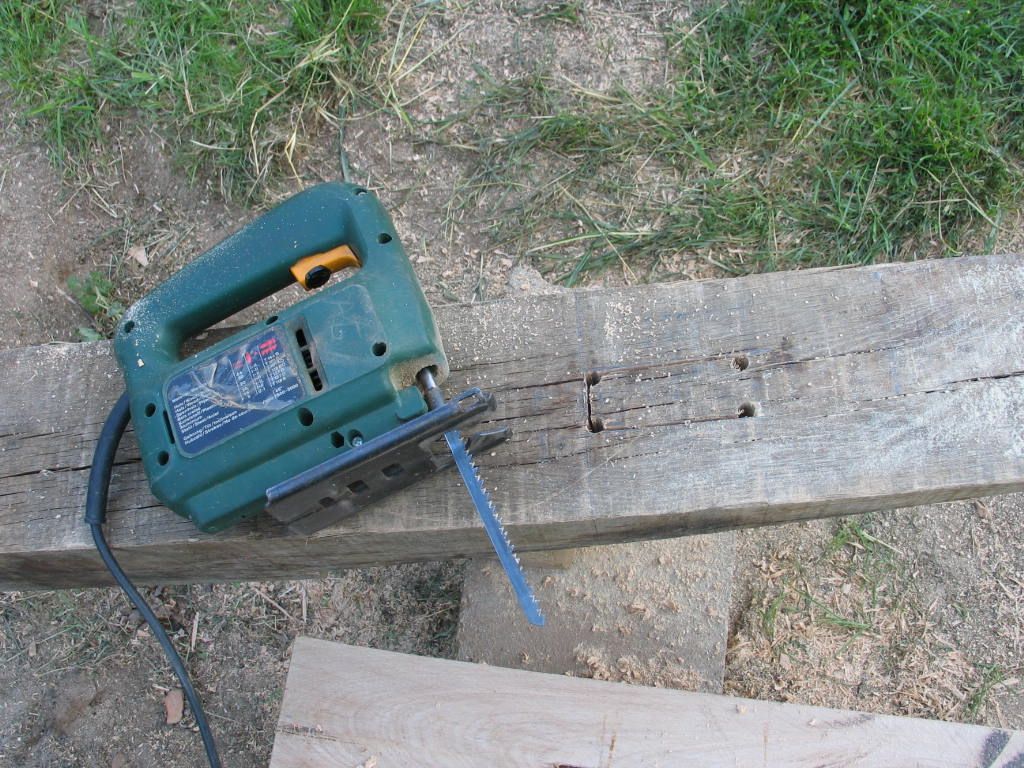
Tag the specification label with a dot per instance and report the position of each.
(242, 386)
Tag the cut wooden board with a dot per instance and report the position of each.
(867, 389)
(347, 706)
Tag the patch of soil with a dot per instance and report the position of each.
(84, 681)
(917, 612)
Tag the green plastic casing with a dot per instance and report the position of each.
(368, 335)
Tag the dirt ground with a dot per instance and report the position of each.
(913, 612)
(919, 611)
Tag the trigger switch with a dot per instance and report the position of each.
(317, 276)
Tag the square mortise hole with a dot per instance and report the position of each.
(393, 470)
(358, 487)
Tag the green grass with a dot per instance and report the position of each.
(830, 617)
(787, 134)
(96, 294)
(991, 676)
(868, 572)
(770, 615)
(236, 85)
(565, 11)
(853, 532)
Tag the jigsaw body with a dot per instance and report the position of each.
(323, 408)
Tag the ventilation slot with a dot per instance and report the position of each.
(307, 360)
(170, 432)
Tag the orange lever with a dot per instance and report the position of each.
(313, 271)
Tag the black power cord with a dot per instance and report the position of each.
(96, 516)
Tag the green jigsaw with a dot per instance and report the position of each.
(318, 411)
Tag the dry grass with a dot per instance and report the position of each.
(408, 608)
(855, 623)
(234, 639)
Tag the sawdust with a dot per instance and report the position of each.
(662, 671)
(653, 613)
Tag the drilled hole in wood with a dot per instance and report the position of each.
(746, 410)
(594, 422)
(740, 362)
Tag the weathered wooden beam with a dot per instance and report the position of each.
(866, 389)
(356, 706)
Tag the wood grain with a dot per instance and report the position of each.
(348, 706)
(868, 388)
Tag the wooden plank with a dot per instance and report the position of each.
(348, 706)
(870, 388)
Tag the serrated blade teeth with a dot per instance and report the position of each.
(495, 529)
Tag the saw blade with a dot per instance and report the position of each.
(495, 530)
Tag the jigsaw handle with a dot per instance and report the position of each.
(256, 262)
